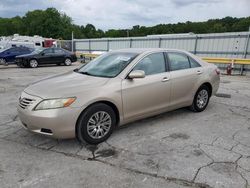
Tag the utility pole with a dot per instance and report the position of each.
(72, 41)
(127, 33)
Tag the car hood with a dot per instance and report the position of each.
(65, 85)
(25, 55)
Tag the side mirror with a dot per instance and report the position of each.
(42, 54)
(136, 74)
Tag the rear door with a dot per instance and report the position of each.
(144, 96)
(185, 73)
(46, 56)
(59, 55)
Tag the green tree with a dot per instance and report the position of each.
(55, 24)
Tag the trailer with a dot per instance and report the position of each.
(28, 41)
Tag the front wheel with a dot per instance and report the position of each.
(3, 61)
(201, 99)
(96, 124)
(33, 63)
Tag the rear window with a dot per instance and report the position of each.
(178, 61)
(193, 63)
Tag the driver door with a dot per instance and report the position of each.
(150, 95)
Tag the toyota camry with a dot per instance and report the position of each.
(114, 89)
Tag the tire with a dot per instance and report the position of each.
(3, 61)
(201, 99)
(33, 63)
(90, 129)
(67, 62)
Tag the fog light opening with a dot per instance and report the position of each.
(48, 131)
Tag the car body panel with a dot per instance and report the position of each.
(183, 86)
(65, 85)
(47, 57)
(134, 98)
(144, 96)
(10, 53)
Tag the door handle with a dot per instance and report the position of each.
(199, 72)
(165, 79)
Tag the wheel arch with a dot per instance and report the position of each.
(67, 57)
(111, 104)
(32, 58)
(209, 85)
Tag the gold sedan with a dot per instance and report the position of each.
(116, 88)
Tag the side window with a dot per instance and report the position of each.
(7, 51)
(58, 51)
(48, 51)
(193, 63)
(178, 61)
(152, 64)
(12, 50)
(21, 50)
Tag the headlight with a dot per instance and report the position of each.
(54, 103)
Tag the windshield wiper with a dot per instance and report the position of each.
(87, 73)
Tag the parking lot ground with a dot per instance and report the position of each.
(174, 149)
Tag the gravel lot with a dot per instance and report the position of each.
(175, 149)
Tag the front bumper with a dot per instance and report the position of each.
(21, 61)
(57, 123)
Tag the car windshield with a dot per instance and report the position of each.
(37, 51)
(108, 65)
(4, 49)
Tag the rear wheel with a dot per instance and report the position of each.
(67, 62)
(201, 99)
(3, 61)
(96, 123)
(33, 63)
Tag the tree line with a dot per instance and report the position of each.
(52, 23)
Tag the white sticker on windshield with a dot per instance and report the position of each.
(123, 58)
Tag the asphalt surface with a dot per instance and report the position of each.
(174, 149)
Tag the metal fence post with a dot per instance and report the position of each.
(89, 46)
(195, 44)
(159, 42)
(130, 44)
(60, 43)
(245, 53)
(72, 41)
(107, 44)
(246, 46)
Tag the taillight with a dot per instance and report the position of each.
(217, 71)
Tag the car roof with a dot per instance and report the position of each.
(145, 50)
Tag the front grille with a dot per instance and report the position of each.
(18, 60)
(25, 102)
(48, 131)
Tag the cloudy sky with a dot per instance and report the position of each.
(107, 14)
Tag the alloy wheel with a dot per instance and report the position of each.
(99, 125)
(2, 61)
(202, 98)
(67, 62)
(33, 63)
